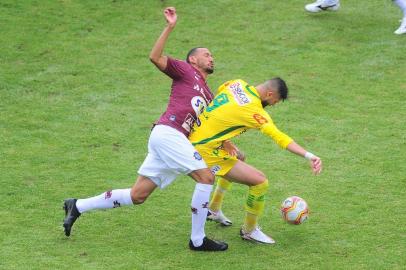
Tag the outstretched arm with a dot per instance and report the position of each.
(156, 56)
(298, 150)
(285, 141)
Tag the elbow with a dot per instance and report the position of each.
(153, 59)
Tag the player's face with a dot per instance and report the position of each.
(272, 98)
(204, 60)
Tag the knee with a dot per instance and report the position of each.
(260, 188)
(265, 183)
(259, 178)
(262, 175)
(207, 178)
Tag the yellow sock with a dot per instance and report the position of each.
(218, 195)
(255, 205)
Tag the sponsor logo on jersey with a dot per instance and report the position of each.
(202, 92)
(239, 94)
(215, 169)
(198, 104)
(197, 156)
(188, 122)
(260, 119)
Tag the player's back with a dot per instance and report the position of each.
(231, 112)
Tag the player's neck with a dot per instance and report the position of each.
(261, 91)
(203, 73)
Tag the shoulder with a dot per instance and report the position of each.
(232, 84)
(176, 68)
(179, 63)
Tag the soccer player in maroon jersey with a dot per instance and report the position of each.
(169, 151)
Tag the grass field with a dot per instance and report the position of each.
(78, 95)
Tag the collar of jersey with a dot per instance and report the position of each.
(252, 91)
(198, 71)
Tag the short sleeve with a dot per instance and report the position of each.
(176, 68)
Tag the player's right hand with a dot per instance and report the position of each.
(316, 165)
(170, 16)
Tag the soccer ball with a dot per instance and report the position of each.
(294, 210)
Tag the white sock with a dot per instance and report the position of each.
(109, 199)
(402, 6)
(200, 204)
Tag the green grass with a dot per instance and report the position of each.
(78, 95)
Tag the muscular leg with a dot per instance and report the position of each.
(109, 199)
(141, 190)
(244, 173)
(217, 199)
(258, 186)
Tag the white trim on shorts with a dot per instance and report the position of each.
(169, 154)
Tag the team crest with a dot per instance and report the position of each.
(197, 156)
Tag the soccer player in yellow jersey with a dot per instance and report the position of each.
(236, 108)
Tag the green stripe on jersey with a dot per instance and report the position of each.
(252, 92)
(218, 135)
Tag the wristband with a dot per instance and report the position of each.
(309, 156)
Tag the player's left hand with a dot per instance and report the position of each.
(233, 150)
(316, 165)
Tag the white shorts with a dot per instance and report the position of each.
(169, 154)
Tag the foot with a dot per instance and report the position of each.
(209, 245)
(402, 27)
(323, 5)
(219, 217)
(71, 214)
(256, 235)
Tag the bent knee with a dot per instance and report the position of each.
(261, 180)
(207, 179)
(203, 176)
(262, 176)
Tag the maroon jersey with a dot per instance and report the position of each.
(190, 95)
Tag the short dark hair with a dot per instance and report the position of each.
(191, 52)
(281, 86)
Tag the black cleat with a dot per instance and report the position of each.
(71, 214)
(209, 245)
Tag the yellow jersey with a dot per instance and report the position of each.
(235, 109)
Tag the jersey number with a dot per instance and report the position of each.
(217, 102)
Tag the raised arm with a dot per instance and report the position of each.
(156, 57)
(298, 150)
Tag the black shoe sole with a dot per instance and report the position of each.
(209, 245)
